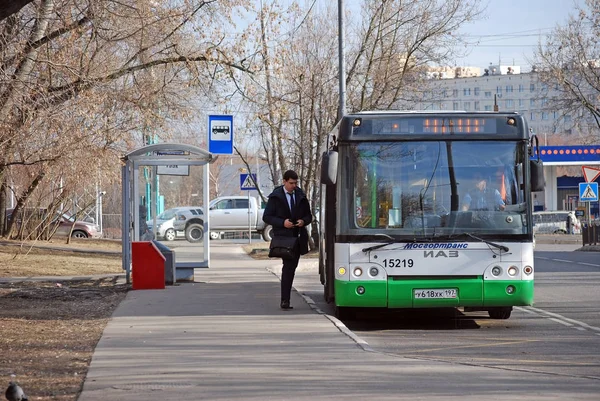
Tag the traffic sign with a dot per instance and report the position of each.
(247, 182)
(588, 191)
(220, 134)
(590, 173)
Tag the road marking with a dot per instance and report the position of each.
(588, 264)
(509, 360)
(472, 346)
(560, 321)
(559, 318)
(561, 260)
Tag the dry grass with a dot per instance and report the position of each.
(49, 329)
(47, 259)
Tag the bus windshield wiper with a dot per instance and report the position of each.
(501, 247)
(391, 240)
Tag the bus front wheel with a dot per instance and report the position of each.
(500, 313)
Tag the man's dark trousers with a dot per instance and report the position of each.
(287, 275)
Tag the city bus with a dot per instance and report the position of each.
(402, 225)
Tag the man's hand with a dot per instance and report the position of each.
(300, 223)
(288, 223)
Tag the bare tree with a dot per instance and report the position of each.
(397, 42)
(88, 80)
(568, 64)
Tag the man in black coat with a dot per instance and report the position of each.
(288, 212)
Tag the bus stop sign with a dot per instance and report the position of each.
(220, 134)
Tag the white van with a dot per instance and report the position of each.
(556, 222)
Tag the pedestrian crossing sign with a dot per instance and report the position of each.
(588, 191)
(247, 182)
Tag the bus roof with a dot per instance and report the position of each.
(435, 112)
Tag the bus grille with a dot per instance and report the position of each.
(400, 278)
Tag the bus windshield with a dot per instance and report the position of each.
(427, 189)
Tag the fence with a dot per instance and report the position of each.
(591, 233)
(111, 226)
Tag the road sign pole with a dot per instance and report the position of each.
(249, 221)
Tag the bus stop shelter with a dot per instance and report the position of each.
(162, 154)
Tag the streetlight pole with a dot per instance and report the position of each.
(342, 62)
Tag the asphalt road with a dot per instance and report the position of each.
(559, 336)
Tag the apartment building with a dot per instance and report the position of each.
(470, 89)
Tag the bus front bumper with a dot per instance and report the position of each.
(400, 293)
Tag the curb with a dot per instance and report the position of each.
(336, 322)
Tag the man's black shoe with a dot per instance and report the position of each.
(285, 305)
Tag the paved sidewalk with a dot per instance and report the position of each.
(225, 338)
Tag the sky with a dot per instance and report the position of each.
(508, 30)
(511, 29)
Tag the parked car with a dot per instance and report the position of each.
(556, 222)
(81, 229)
(164, 223)
(227, 214)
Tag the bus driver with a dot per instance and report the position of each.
(480, 197)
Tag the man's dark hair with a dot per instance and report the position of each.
(290, 174)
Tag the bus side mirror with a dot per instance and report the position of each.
(329, 163)
(538, 182)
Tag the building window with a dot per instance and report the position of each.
(568, 118)
(477, 107)
(509, 88)
(488, 94)
(531, 102)
(532, 116)
(454, 92)
(444, 93)
(487, 108)
(467, 106)
(544, 101)
(544, 115)
(509, 103)
(531, 87)
(521, 103)
(454, 105)
(521, 88)
(498, 89)
(467, 91)
(555, 115)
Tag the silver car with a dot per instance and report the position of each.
(164, 224)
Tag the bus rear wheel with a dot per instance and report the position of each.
(500, 313)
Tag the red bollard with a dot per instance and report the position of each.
(148, 266)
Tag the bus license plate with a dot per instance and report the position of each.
(435, 293)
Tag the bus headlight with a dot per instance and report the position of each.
(358, 271)
(496, 271)
(373, 271)
(341, 270)
(528, 270)
(512, 271)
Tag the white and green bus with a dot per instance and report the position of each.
(406, 221)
